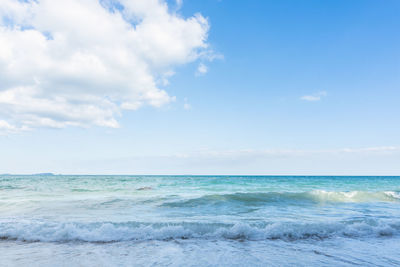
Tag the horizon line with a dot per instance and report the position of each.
(235, 175)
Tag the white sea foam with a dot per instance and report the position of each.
(355, 196)
(114, 232)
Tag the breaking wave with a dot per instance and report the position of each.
(36, 231)
(317, 196)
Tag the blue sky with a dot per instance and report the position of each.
(289, 87)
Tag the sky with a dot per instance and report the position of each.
(258, 87)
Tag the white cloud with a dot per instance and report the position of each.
(355, 161)
(186, 105)
(201, 69)
(6, 128)
(371, 149)
(179, 3)
(274, 153)
(81, 63)
(314, 97)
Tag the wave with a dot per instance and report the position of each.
(36, 231)
(316, 196)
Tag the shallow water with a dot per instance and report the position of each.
(199, 220)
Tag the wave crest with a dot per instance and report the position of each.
(134, 231)
(316, 196)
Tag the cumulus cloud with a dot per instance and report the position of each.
(314, 97)
(81, 63)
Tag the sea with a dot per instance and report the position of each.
(110, 220)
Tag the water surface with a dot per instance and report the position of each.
(199, 220)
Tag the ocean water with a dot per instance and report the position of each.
(60, 220)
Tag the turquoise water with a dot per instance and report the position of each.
(199, 220)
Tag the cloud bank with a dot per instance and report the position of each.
(81, 63)
(341, 161)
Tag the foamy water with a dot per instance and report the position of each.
(199, 221)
